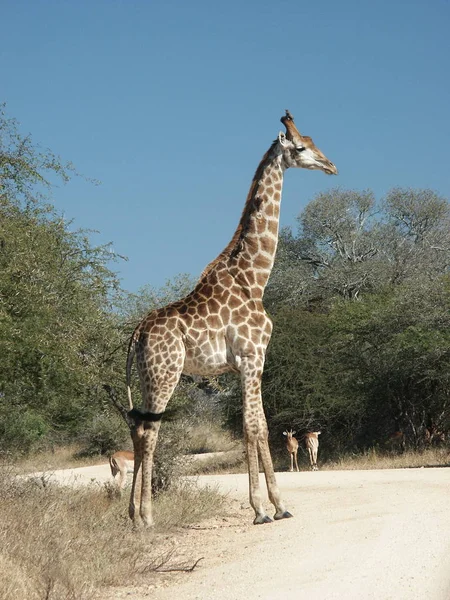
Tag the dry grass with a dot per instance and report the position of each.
(208, 436)
(376, 459)
(230, 458)
(67, 457)
(232, 461)
(66, 544)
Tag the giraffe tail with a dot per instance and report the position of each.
(130, 359)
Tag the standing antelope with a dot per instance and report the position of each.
(434, 436)
(396, 442)
(292, 448)
(121, 462)
(312, 446)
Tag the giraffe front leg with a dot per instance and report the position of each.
(253, 475)
(251, 384)
(256, 439)
(272, 487)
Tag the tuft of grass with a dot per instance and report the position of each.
(208, 436)
(58, 543)
(232, 461)
(186, 504)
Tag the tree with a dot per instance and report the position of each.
(57, 324)
(133, 307)
(338, 228)
(347, 245)
(56, 321)
(394, 350)
(26, 171)
(416, 239)
(291, 281)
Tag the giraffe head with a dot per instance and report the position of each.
(300, 151)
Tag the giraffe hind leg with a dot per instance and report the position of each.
(137, 433)
(158, 382)
(272, 487)
(144, 416)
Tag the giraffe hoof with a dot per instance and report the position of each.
(284, 515)
(261, 519)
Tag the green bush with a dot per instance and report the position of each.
(21, 430)
(169, 457)
(105, 434)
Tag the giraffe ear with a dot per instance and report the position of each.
(282, 138)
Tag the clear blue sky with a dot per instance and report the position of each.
(172, 104)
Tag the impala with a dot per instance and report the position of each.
(396, 441)
(121, 463)
(292, 448)
(434, 436)
(312, 446)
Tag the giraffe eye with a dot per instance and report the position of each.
(300, 148)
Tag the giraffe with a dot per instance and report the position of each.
(221, 326)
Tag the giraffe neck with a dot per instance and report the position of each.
(251, 252)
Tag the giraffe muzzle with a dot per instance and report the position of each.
(330, 169)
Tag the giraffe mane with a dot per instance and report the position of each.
(252, 205)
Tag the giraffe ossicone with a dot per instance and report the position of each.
(221, 326)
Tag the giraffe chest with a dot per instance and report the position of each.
(217, 347)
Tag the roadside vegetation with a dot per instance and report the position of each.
(379, 459)
(374, 458)
(60, 544)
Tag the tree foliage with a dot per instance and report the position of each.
(397, 357)
(57, 324)
(27, 171)
(348, 245)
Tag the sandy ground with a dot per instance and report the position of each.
(355, 535)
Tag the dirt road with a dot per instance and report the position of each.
(355, 535)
